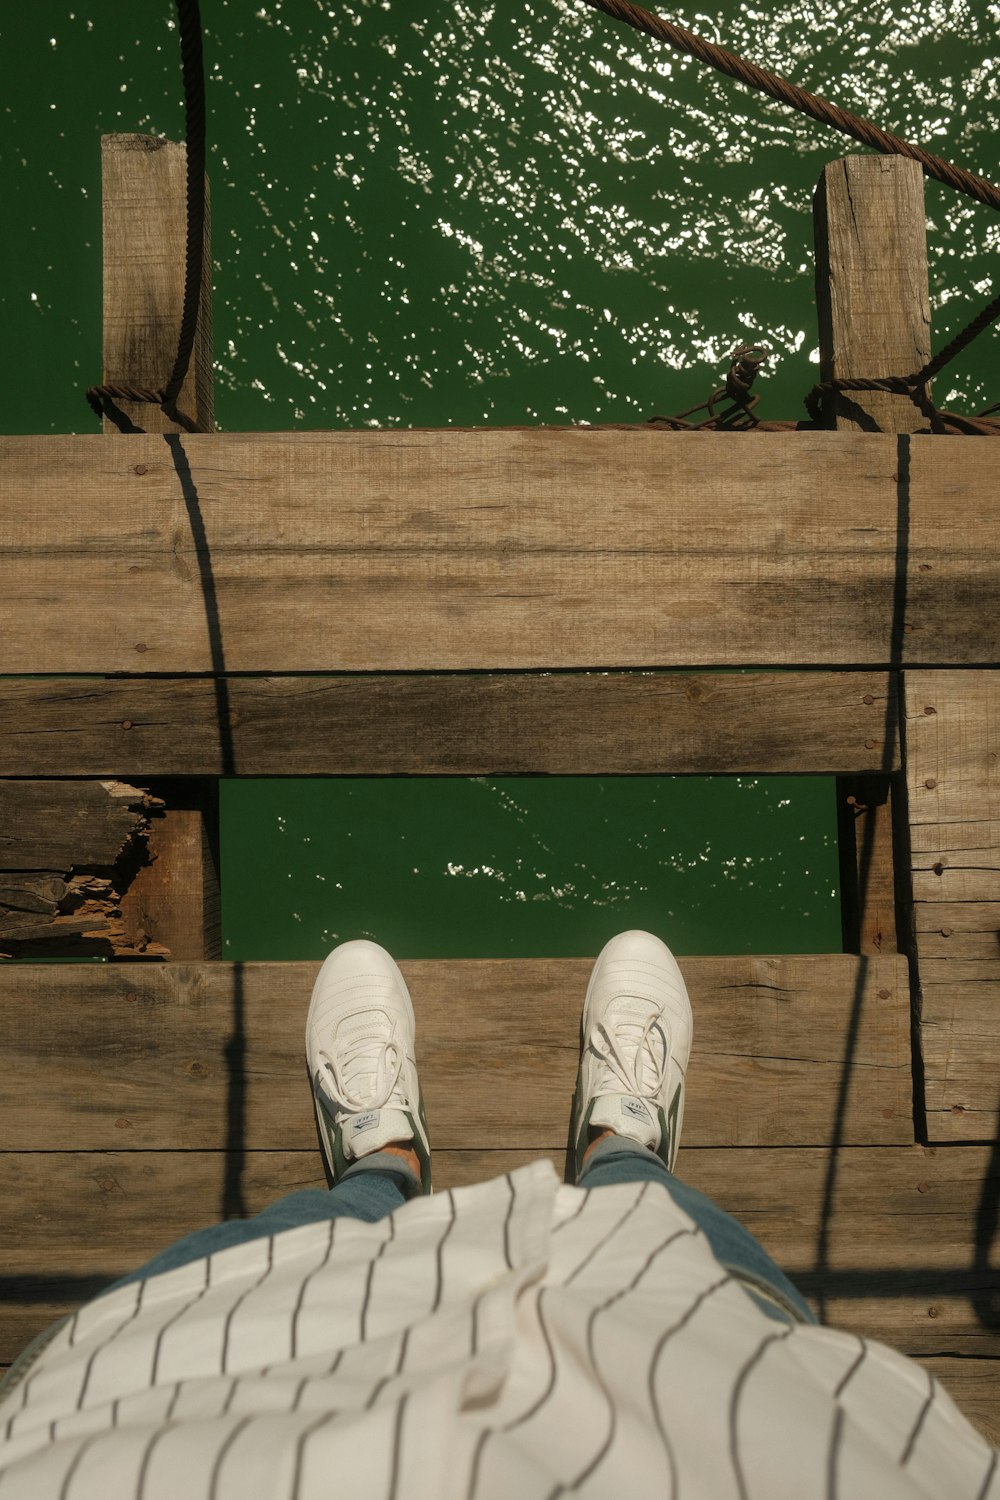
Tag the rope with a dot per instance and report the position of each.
(915, 386)
(871, 135)
(189, 25)
(788, 93)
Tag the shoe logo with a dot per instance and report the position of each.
(634, 1108)
(366, 1122)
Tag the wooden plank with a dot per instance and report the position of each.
(47, 825)
(771, 1043)
(177, 896)
(867, 880)
(974, 1386)
(900, 1261)
(488, 549)
(953, 777)
(957, 929)
(610, 723)
(144, 182)
(872, 297)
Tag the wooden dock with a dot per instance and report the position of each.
(497, 602)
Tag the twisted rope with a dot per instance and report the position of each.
(868, 134)
(788, 93)
(915, 385)
(189, 25)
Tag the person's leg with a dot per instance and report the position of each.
(613, 1158)
(371, 1189)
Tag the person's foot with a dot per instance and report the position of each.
(360, 1046)
(635, 1042)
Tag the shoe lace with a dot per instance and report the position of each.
(386, 1074)
(630, 1073)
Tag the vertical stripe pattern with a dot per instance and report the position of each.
(516, 1338)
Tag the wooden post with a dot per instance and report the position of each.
(873, 306)
(871, 286)
(174, 899)
(145, 228)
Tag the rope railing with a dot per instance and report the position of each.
(779, 88)
(914, 386)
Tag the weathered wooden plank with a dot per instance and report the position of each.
(611, 723)
(959, 1021)
(48, 825)
(867, 880)
(144, 196)
(974, 1386)
(872, 298)
(957, 929)
(177, 895)
(359, 551)
(953, 777)
(94, 834)
(899, 1262)
(147, 1052)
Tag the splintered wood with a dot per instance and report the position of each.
(68, 852)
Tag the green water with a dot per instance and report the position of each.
(452, 213)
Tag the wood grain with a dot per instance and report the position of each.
(873, 303)
(974, 1386)
(610, 723)
(144, 198)
(953, 779)
(129, 1056)
(491, 549)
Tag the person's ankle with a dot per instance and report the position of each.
(401, 1148)
(596, 1137)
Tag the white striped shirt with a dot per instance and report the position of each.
(516, 1338)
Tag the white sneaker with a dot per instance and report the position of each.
(360, 1045)
(635, 1042)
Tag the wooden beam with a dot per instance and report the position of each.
(871, 286)
(417, 551)
(144, 180)
(772, 1044)
(176, 896)
(867, 884)
(900, 1263)
(953, 778)
(602, 723)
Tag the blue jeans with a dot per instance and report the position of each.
(378, 1184)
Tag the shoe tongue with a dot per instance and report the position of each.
(371, 1129)
(626, 1114)
(375, 1128)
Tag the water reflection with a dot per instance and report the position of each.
(546, 866)
(475, 213)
